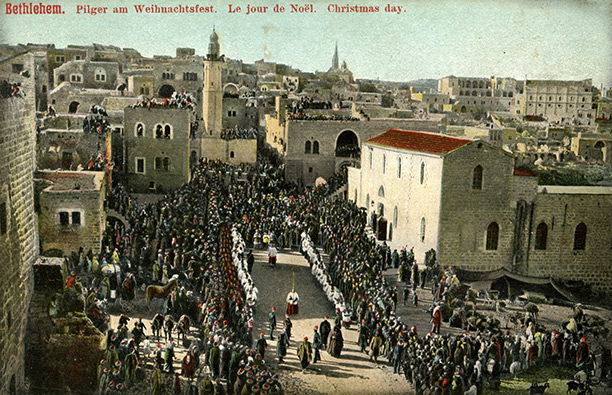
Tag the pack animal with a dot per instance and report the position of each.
(161, 291)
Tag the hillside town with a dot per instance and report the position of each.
(198, 224)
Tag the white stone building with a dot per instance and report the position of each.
(464, 199)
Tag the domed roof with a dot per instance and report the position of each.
(214, 36)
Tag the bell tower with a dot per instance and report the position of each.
(212, 105)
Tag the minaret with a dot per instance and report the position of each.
(335, 59)
(212, 105)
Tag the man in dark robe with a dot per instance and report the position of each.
(325, 329)
(336, 343)
(304, 353)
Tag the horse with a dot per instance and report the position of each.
(157, 324)
(168, 326)
(183, 326)
(161, 291)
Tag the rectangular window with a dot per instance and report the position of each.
(3, 219)
(140, 165)
(166, 164)
(76, 218)
(158, 163)
(64, 218)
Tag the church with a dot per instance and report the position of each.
(465, 199)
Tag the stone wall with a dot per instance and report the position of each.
(18, 234)
(326, 133)
(68, 238)
(66, 149)
(63, 350)
(407, 202)
(236, 113)
(562, 213)
(466, 212)
(149, 147)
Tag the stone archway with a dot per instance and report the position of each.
(73, 107)
(347, 144)
(166, 91)
(381, 233)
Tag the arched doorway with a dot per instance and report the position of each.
(166, 91)
(599, 151)
(381, 234)
(347, 145)
(73, 106)
(373, 221)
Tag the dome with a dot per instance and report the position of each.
(214, 36)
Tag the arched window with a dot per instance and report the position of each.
(139, 130)
(100, 75)
(307, 147)
(492, 236)
(395, 216)
(580, 236)
(232, 154)
(477, 178)
(423, 229)
(315, 147)
(384, 163)
(399, 168)
(168, 131)
(422, 172)
(541, 236)
(159, 131)
(381, 191)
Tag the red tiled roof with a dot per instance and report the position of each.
(418, 141)
(524, 173)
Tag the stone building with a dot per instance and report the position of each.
(561, 102)
(320, 148)
(464, 199)
(18, 235)
(212, 146)
(593, 147)
(157, 145)
(480, 94)
(71, 211)
(88, 74)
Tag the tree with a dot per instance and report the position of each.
(369, 88)
(387, 101)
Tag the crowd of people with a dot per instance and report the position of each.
(182, 100)
(236, 133)
(302, 116)
(191, 244)
(305, 102)
(8, 89)
(96, 121)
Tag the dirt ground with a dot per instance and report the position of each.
(352, 373)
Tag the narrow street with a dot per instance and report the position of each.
(331, 375)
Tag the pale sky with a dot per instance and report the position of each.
(563, 39)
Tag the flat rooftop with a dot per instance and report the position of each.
(574, 190)
(64, 180)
